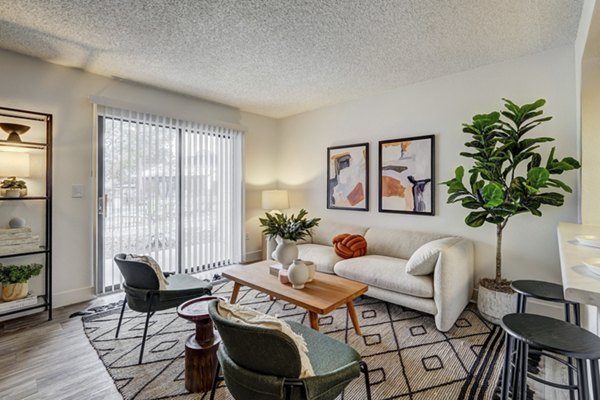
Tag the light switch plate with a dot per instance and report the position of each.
(77, 191)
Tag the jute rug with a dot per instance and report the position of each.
(407, 356)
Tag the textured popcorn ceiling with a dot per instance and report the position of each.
(277, 57)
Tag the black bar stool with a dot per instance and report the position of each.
(554, 338)
(551, 292)
(545, 291)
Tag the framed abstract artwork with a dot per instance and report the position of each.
(406, 175)
(348, 177)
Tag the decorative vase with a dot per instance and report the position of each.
(494, 305)
(286, 252)
(14, 291)
(312, 270)
(298, 274)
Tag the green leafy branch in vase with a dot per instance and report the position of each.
(295, 227)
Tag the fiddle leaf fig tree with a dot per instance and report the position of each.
(508, 176)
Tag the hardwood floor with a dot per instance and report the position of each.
(41, 359)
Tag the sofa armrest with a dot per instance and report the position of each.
(453, 282)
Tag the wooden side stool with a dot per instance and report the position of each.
(201, 347)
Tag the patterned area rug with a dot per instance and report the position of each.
(407, 356)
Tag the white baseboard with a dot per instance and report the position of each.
(253, 256)
(73, 296)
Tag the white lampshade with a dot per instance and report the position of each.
(14, 164)
(275, 200)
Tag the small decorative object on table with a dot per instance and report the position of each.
(298, 274)
(312, 270)
(507, 179)
(201, 347)
(15, 280)
(287, 230)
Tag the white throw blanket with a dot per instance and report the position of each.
(151, 262)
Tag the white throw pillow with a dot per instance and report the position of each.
(151, 262)
(422, 262)
(248, 316)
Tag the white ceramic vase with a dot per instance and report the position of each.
(494, 305)
(286, 252)
(298, 274)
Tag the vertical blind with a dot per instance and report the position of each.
(171, 189)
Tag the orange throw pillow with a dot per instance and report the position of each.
(348, 246)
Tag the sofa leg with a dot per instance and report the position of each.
(365, 370)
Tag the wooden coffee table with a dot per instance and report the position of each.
(321, 296)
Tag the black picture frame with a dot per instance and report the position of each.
(333, 181)
(419, 184)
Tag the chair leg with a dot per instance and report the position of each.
(571, 372)
(149, 314)
(365, 370)
(523, 370)
(121, 317)
(506, 375)
(582, 380)
(213, 389)
(595, 379)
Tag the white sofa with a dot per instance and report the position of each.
(443, 293)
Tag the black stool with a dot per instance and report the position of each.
(551, 292)
(553, 338)
(545, 291)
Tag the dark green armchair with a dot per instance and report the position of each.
(264, 364)
(142, 292)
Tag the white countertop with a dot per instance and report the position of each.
(579, 283)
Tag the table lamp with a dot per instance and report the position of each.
(275, 200)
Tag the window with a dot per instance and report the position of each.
(168, 188)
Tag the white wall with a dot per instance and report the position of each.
(439, 107)
(32, 84)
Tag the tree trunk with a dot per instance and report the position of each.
(498, 253)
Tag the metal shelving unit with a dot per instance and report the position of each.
(44, 301)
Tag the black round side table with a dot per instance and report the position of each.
(554, 338)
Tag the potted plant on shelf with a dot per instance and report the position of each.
(15, 280)
(286, 231)
(12, 187)
(507, 178)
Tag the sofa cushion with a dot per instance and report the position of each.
(327, 230)
(348, 246)
(324, 257)
(385, 273)
(397, 243)
(422, 262)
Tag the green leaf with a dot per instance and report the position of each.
(476, 218)
(537, 177)
(493, 195)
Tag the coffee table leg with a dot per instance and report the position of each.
(314, 320)
(354, 318)
(234, 294)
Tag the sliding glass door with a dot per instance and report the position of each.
(169, 189)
